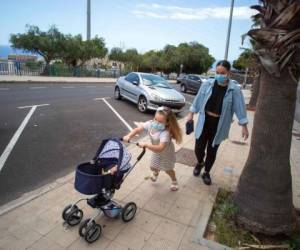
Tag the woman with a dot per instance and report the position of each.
(216, 101)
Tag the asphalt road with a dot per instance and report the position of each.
(60, 135)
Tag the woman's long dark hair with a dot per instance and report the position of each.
(225, 64)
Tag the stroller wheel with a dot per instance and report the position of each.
(84, 226)
(93, 233)
(129, 211)
(67, 211)
(74, 217)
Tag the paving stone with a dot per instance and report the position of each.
(158, 206)
(117, 246)
(132, 237)
(80, 244)
(146, 221)
(64, 236)
(159, 242)
(45, 244)
(170, 230)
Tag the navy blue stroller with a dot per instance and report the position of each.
(94, 178)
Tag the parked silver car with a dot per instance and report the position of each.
(148, 91)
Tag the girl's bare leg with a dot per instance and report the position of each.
(172, 175)
(155, 173)
(174, 185)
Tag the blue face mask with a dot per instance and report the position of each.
(221, 78)
(158, 126)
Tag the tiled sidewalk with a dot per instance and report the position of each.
(165, 219)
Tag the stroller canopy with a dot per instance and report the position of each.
(113, 148)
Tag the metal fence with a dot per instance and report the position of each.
(40, 68)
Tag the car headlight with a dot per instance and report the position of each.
(156, 97)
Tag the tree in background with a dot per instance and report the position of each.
(264, 193)
(71, 49)
(93, 48)
(132, 59)
(116, 54)
(44, 43)
(195, 57)
(245, 60)
(151, 61)
(52, 44)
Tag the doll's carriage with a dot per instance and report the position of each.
(95, 178)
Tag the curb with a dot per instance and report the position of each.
(27, 197)
(205, 216)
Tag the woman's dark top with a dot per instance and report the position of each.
(215, 102)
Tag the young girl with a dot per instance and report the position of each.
(161, 130)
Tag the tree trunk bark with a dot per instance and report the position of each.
(46, 69)
(255, 93)
(264, 193)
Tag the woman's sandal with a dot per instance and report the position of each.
(154, 177)
(174, 186)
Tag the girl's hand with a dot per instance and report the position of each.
(113, 170)
(143, 144)
(126, 138)
(245, 132)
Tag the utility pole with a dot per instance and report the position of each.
(229, 30)
(88, 21)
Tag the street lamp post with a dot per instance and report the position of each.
(88, 20)
(229, 30)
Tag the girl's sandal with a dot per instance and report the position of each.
(174, 186)
(154, 177)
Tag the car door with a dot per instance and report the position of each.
(135, 87)
(196, 83)
(189, 82)
(125, 88)
(131, 87)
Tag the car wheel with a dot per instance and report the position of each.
(183, 88)
(142, 104)
(117, 94)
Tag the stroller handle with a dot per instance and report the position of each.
(131, 142)
(136, 143)
(141, 154)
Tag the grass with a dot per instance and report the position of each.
(228, 233)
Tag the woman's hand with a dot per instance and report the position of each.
(245, 132)
(126, 138)
(143, 144)
(190, 116)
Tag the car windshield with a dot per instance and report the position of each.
(157, 81)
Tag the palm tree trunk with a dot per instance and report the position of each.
(255, 92)
(264, 193)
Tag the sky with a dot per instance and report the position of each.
(140, 24)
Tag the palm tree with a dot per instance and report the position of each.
(264, 192)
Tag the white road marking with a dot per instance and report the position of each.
(90, 86)
(68, 87)
(38, 105)
(16, 136)
(4, 88)
(37, 87)
(100, 98)
(116, 113)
